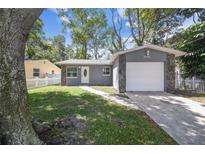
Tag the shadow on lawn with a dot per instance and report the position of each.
(105, 122)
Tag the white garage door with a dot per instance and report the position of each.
(145, 76)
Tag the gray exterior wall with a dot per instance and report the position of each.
(63, 75)
(139, 56)
(95, 76)
(155, 56)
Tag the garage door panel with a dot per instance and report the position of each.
(145, 76)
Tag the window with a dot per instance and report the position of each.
(72, 72)
(52, 72)
(106, 71)
(36, 72)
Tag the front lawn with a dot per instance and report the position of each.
(109, 90)
(106, 122)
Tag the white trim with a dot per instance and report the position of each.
(71, 67)
(71, 77)
(109, 71)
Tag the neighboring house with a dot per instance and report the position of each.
(146, 68)
(41, 69)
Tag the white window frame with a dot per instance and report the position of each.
(106, 68)
(36, 72)
(67, 71)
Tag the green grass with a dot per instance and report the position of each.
(107, 89)
(110, 90)
(107, 122)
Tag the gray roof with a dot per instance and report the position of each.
(177, 53)
(84, 62)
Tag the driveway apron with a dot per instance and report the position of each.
(181, 118)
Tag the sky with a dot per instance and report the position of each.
(53, 26)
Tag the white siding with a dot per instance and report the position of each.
(116, 74)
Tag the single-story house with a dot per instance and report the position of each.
(145, 68)
(40, 69)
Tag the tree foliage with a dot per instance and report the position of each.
(59, 45)
(35, 42)
(197, 14)
(40, 47)
(88, 30)
(118, 43)
(152, 25)
(192, 41)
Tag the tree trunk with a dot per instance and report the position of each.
(15, 120)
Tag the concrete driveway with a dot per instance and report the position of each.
(181, 118)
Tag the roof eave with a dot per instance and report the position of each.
(177, 53)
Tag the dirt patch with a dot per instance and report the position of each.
(67, 130)
(193, 95)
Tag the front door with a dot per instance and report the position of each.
(84, 74)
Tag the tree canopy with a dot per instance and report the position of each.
(88, 31)
(192, 41)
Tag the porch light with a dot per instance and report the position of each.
(147, 53)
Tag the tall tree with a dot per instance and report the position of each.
(197, 14)
(38, 46)
(191, 40)
(165, 23)
(15, 120)
(84, 25)
(59, 45)
(152, 25)
(35, 42)
(140, 21)
(118, 42)
(99, 42)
